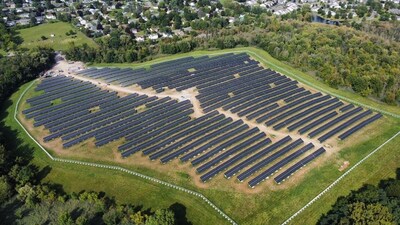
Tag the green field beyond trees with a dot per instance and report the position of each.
(54, 35)
(344, 58)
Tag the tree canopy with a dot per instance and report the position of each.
(367, 205)
(23, 67)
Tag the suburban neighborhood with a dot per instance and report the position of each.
(153, 20)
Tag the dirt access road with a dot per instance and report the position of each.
(70, 69)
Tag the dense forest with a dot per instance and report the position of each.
(367, 205)
(342, 57)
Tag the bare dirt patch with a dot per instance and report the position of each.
(95, 109)
(344, 166)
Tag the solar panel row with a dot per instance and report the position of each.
(271, 170)
(224, 145)
(268, 160)
(256, 156)
(359, 126)
(284, 175)
(234, 159)
(334, 122)
(230, 152)
(214, 142)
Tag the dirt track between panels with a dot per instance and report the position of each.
(190, 94)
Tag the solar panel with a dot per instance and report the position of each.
(284, 175)
(234, 159)
(359, 126)
(256, 156)
(334, 122)
(269, 159)
(343, 126)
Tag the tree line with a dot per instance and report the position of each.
(22, 67)
(342, 57)
(368, 205)
(24, 199)
(9, 40)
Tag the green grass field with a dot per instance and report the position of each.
(32, 36)
(269, 206)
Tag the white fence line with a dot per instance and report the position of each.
(117, 167)
(337, 180)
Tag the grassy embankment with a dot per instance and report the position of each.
(268, 61)
(270, 206)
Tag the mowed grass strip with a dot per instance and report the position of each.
(32, 37)
(124, 187)
(382, 165)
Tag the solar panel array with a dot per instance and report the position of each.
(236, 83)
(165, 129)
